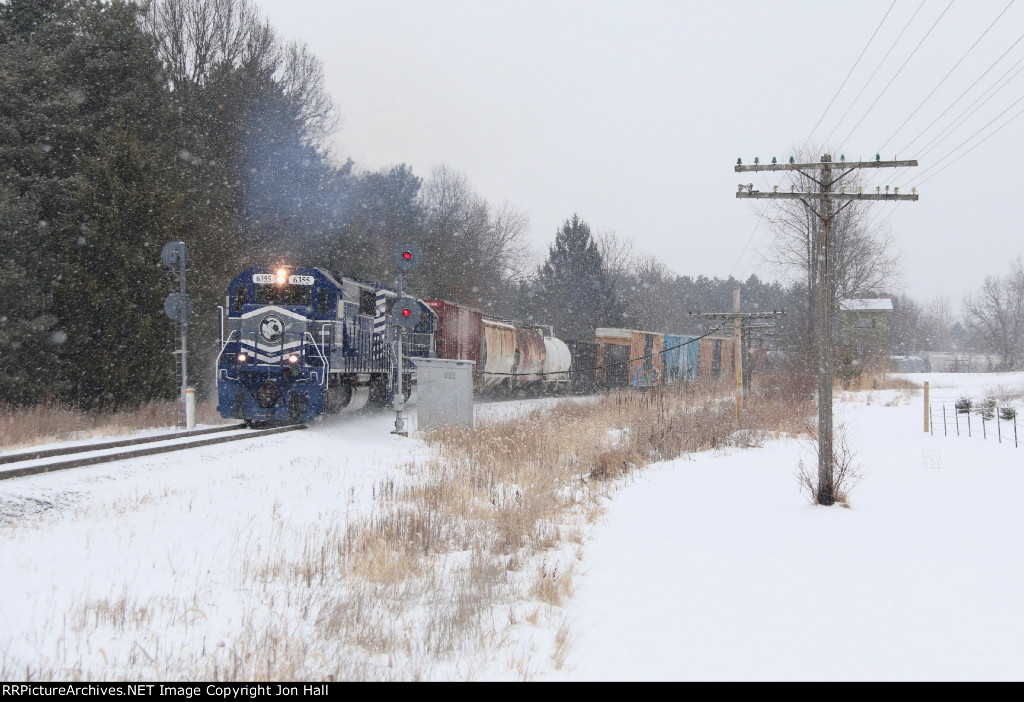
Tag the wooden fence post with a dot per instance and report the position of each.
(926, 406)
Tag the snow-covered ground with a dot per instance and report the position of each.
(717, 568)
(710, 567)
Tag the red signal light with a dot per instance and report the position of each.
(407, 255)
(406, 312)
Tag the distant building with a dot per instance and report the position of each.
(865, 325)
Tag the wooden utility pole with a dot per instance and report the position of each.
(737, 351)
(927, 409)
(825, 196)
(737, 339)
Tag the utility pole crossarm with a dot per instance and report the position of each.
(757, 194)
(740, 168)
(732, 315)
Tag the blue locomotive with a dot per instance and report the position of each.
(296, 343)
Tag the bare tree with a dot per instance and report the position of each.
(995, 315)
(480, 252)
(643, 285)
(906, 334)
(616, 252)
(649, 296)
(509, 228)
(937, 322)
(195, 38)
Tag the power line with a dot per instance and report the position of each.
(900, 70)
(880, 64)
(749, 239)
(972, 137)
(969, 88)
(918, 181)
(855, 64)
(994, 132)
(967, 113)
(976, 41)
(757, 254)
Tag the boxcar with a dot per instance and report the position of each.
(681, 357)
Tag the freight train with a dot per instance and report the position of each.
(296, 343)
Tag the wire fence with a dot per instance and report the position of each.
(973, 417)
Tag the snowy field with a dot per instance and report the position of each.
(712, 567)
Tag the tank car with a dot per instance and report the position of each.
(296, 343)
(511, 358)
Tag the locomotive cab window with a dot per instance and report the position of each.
(240, 298)
(284, 295)
(367, 302)
(323, 302)
(297, 295)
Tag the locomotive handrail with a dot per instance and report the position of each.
(327, 365)
(220, 318)
(216, 364)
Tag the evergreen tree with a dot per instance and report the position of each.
(28, 334)
(42, 137)
(110, 294)
(573, 292)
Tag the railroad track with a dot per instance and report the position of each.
(35, 461)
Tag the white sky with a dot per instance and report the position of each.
(633, 113)
(710, 567)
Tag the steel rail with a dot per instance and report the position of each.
(33, 454)
(16, 472)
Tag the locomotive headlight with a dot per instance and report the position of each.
(281, 276)
(242, 358)
(293, 358)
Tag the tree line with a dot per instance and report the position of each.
(125, 126)
(128, 126)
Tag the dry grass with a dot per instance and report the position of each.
(875, 379)
(45, 423)
(553, 585)
(562, 645)
(474, 541)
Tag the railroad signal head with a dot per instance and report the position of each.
(406, 312)
(174, 254)
(407, 256)
(178, 306)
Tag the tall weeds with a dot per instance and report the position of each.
(462, 548)
(48, 422)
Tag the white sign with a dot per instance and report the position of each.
(269, 279)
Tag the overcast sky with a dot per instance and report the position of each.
(633, 114)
